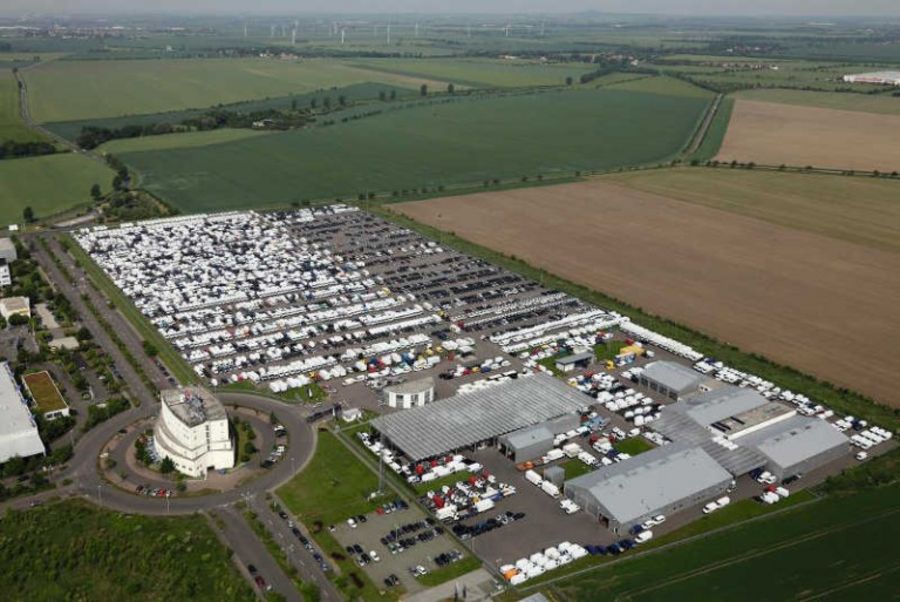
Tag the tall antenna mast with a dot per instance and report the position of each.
(542, 29)
(417, 30)
(294, 36)
(245, 30)
(389, 34)
(343, 31)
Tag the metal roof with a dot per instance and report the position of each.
(794, 440)
(672, 376)
(575, 358)
(464, 420)
(18, 432)
(412, 387)
(651, 481)
(540, 433)
(719, 404)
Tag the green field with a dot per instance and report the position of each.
(842, 548)
(11, 125)
(57, 90)
(482, 73)
(48, 185)
(74, 551)
(354, 92)
(465, 141)
(868, 103)
(662, 85)
(184, 140)
(860, 210)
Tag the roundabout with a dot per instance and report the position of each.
(114, 440)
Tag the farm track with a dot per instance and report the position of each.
(700, 136)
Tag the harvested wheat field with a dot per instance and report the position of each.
(774, 134)
(823, 305)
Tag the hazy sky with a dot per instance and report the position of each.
(699, 7)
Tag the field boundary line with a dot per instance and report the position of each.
(756, 553)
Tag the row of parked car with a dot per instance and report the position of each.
(464, 531)
(304, 541)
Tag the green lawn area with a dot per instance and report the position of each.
(74, 551)
(608, 350)
(868, 103)
(49, 184)
(462, 142)
(334, 486)
(804, 553)
(11, 125)
(633, 446)
(176, 364)
(59, 90)
(860, 210)
(575, 468)
(482, 73)
(43, 390)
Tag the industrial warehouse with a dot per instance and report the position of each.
(477, 418)
(518, 415)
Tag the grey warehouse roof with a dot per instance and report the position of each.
(539, 433)
(672, 375)
(464, 420)
(412, 387)
(643, 484)
(795, 439)
(719, 404)
(575, 358)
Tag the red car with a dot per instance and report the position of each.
(261, 583)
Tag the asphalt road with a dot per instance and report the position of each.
(251, 551)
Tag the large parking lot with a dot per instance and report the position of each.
(405, 525)
(341, 297)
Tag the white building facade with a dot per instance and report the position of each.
(18, 432)
(192, 431)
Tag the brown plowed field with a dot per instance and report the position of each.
(825, 306)
(773, 134)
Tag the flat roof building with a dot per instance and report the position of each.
(410, 394)
(5, 273)
(534, 441)
(15, 306)
(477, 417)
(575, 360)
(883, 78)
(797, 445)
(661, 481)
(192, 430)
(670, 379)
(18, 432)
(8, 250)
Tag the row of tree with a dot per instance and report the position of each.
(10, 149)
